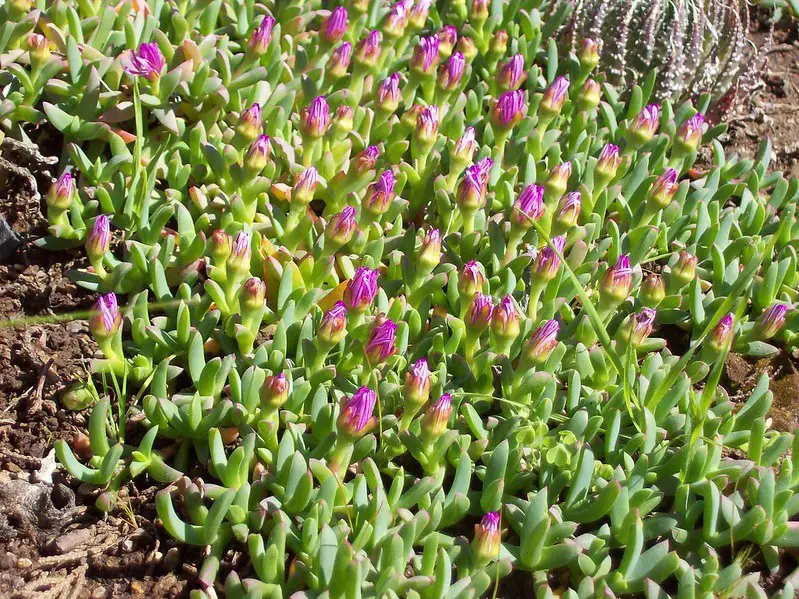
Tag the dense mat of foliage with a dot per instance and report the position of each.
(420, 300)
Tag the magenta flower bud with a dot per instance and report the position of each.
(419, 13)
(361, 289)
(663, 189)
(554, 97)
(608, 164)
(505, 321)
(486, 541)
(435, 420)
(259, 41)
(645, 125)
(220, 245)
(509, 109)
(342, 227)
(366, 160)
(62, 192)
(637, 328)
(589, 96)
(380, 194)
(335, 25)
(542, 342)
(568, 211)
(368, 50)
(558, 180)
(478, 315)
(258, 155)
(511, 74)
(465, 147)
(395, 22)
(425, 55)
(690, 134)
(148, 62)
(484, 168)
(315, 119)
(471, 280)
(105, 319)
(771, 321)
(250, 123)
(417, 386)
(357, 413)
(447, 38)
(274, 392)
(305, 184)
(617, 281)
(472, 189)
(427, 127)
(430, 252)
(449, 75)
(722, 334)
(529, 206)
(653, 290)
(547, 263)
(499, 43)
(684, 271)
(589, 54)
(240, 253)
(467, 47)
(333, 327)
(478, 12)
(99, 239)
(381, 343)
(339, 60)
(388, 94)
(253, 294)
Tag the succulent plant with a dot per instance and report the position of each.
(393, 273)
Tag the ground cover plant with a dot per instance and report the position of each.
(398, 300)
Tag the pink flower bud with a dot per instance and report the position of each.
(253, 294)
(368, 50)
(315, 119)
(430, 252)
(590, 95)
(663, 189)
(472, 189)
(478, 315)
(645, 125)
(343, 120)
(380, 194)
(637, 328)
(99, 240)
(589, 54)
(333, 327)
(558, 179)
(479, 11)
(258, 154)
(425, 55)
(511, 74)
(220, 245)
(274, 391)
(449, 75)
(505, 320)
(427, 126)
(105, 319)
(39, 47)
(417, 385)
(617, 281)
(653, 290)
(467, 47)
(335, 25)
(148, 62)
(381, 343)
(357, 413)
(464, 147)
(542, 342)
(361, 289)
(471, 280)
(366, 160)
(342, 227)
(554, 97)
(690, 133)
(486, 542)
(771, 321)
(608, 164)
(241, 253)
(722, 334)
(259, 41)
(305, 184)
(434, 422)
(568, 210)
(419, 13)
(395, 22)
(339, 60)
(499, 43)
(447, 38)
(250, 123)
(529, 206)
(62, 192)
(388, 93)
(684, 270)
(547, 263)
(509, 109)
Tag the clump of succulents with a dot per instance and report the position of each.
(696, 46)
(391, 274)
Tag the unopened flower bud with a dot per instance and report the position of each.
(240, 253)
(366, 160)
(220, 245)
(381, 343)
(250, 124)
(380, 195)
(467, 47)
(361, 289)
(357, 413)
(558, 180)
(62, 192)
(435, 420)
(509, 110)
(637, 328)
(39, 47)
(342, 226)
(395, 22)
(333, 327)
(590, 95)
(528, 207)
(690, 134)
(478, 315)
(99, 239)
(472, 189)
(617, 281)
(339, 60)
(335, 25)
(253, 294)
(568, 211)
(259, 41)
(368, 50)
(771, 321)
(449, 75)
(359, 6)
(258, 154)
(589, 54)
(425, 55)
(478, 12)
(486, 542)
(274, 392)
(653, 290)
(505, 320)
(554, 97)
(720, 338)
(542, 342)
(427, 127)
(470, 280)
(417, 386)
(684, 271)
(464, 149)
(388, 94)
(499, 43)
(22, 7)
(305, 184)
(645, 125)
(429, 254)
(546, 264)
(417, 18)
(411, 115)
(511, 74)
(342, 122)
(105, 319)
(608, 164)
(663, 189)
(315, 119)
(447, 38)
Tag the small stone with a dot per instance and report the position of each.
(137, 587)
(23, 563)
(98, 593)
